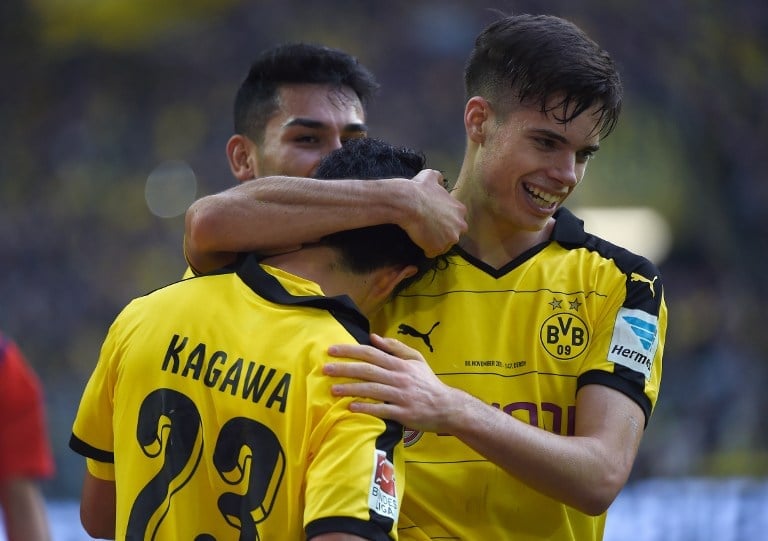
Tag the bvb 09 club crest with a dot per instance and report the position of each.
(564, 335)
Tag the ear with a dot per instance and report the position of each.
(242, 157)
(476, 112)
(385, 281)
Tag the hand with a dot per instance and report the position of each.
(438, 219)
(397, 376)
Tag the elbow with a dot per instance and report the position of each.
(594, 506)
(600, 493)
(197, 224)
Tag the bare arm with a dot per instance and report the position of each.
(98, 507)
(24, 510)
(280, 213)
(585, 471)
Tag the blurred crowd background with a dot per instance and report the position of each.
(114, 115)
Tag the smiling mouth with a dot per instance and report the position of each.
(543, 199)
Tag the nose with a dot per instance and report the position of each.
(329, 145)
(335, 144)
(566, 169)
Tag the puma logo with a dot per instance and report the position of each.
(634, 277)
(410, 331)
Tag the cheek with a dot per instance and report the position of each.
(301, 163)
(500, 168)
(581, 170)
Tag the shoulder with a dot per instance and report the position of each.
(642, 278)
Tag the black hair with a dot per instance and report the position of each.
(369, 248)
(535, 58)
(295, 63)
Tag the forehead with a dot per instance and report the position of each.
(324, 103)
(583, 129)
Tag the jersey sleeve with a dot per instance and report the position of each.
(92, 432)
(355, 476)
(629, 344)
(24, 443)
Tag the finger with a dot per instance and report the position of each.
(356, 370)
(353, 351)
(431, 175)
(372, 355)
(371, 391)
(395, 347)
(377, 409)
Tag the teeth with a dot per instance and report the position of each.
(548, 198)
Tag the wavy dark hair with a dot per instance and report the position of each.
(295, 63)
(531, 59)
(369, 248)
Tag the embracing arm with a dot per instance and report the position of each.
(281, 213)
(585, 471)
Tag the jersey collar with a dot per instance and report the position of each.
(269, 287)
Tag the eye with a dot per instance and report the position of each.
(306, 139)
(545, 143)
(584, 156)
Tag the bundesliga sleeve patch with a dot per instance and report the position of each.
(382, 496)
(635, 339)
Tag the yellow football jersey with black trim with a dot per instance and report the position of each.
(524, 338)
(209, 410)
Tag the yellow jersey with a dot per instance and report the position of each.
(209, 410)
(524, 338)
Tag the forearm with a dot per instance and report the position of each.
(281, 213)
(583, 471)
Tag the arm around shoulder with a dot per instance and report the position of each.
(274, 214)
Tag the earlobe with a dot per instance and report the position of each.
(242, 161)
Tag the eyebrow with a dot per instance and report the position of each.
(563, 139)
(317, 125)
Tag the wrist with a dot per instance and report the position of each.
(396, 197)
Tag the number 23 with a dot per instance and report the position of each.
(169, 429)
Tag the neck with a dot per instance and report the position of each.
(494, 235)
(497, 248)
(320, 265)
(497, 241)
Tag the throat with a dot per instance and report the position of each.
(499, 248)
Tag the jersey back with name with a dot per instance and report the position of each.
(210, 401)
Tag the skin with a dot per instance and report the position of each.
(310, 122)
(221, 224)
(518, 169)
(98, 506)
(509, 160)
(23, 510)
